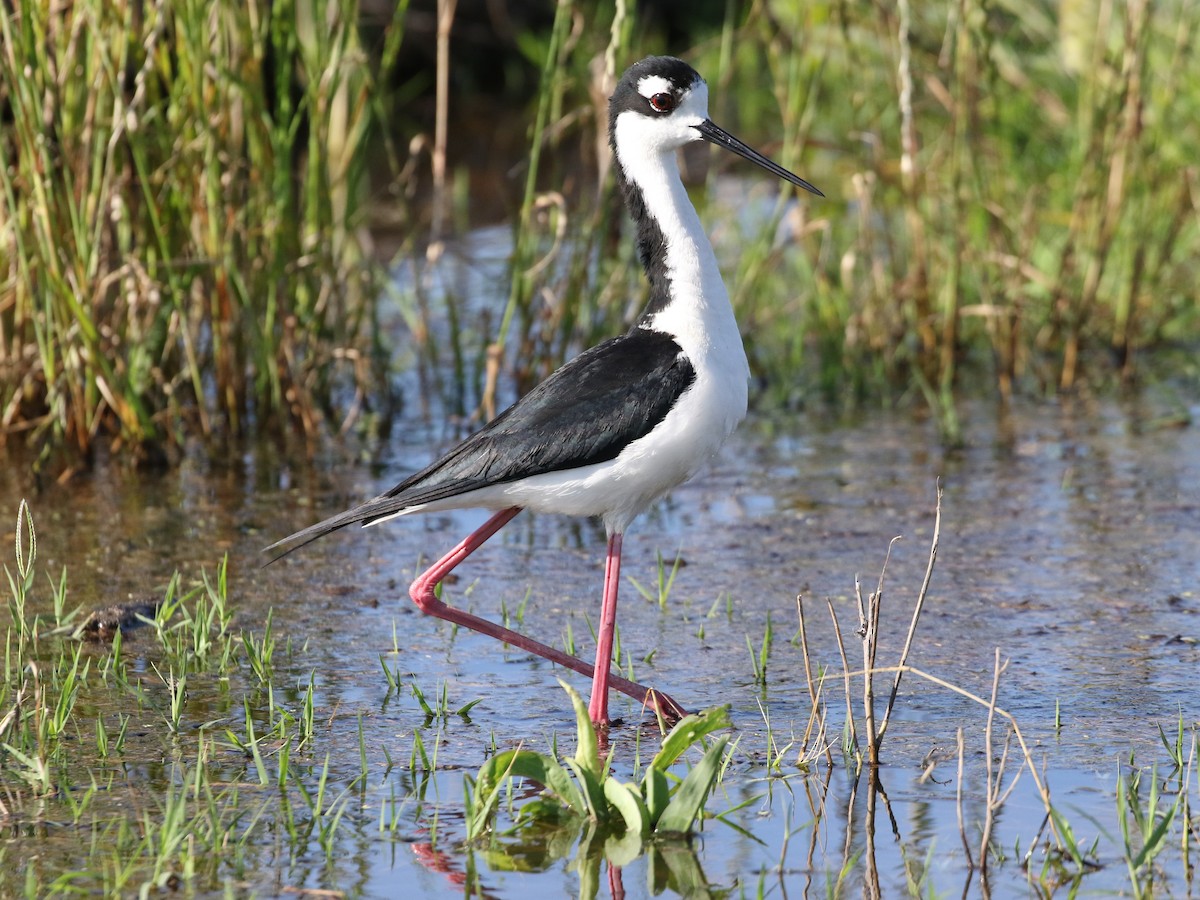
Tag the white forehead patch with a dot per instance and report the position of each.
(654, 84)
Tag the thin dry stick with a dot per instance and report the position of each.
(993, 778)
(837, 630)
(962, 830)
(871, 886)
(876, 599)
(870, 620)
(868, 644)
(1043, 790)
(850, 852)
(808, 675)
(445, 20)
(912, 626)
(817, 716)
(817, 808)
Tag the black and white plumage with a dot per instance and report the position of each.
(623, 423)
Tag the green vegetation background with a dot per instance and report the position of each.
(188, 192)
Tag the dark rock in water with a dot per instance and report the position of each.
(103, 624)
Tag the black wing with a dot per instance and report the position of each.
(585, 413)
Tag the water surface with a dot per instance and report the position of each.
(1070, 542)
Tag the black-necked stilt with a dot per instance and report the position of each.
(624, 422)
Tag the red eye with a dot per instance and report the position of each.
(662, 103)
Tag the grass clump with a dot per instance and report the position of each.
(179, 200)
(582, 788)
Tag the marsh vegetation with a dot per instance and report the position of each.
(191, 233)
(188, 191)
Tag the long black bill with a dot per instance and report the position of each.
(715, 134)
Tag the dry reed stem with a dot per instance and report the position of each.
(441, 202)
(817, 808)
(871, 886)
(1043, 790)
(868, 635)
(958, 800)
(920, 604)
(869, 619)
(994, 777)
(837, 630)
(817, 714)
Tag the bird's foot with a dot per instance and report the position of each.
(666, 708)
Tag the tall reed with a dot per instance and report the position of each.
(1017, 194)
(1011, 197)
(1011, 206)
(179, 220)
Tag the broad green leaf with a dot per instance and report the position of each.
(686, 877)
(522, 764)
(657, 794)
(587, 863)
(621, 850)
(629, 804)
(587, 751)
(688, 732)
(688, 802)
(593, 791)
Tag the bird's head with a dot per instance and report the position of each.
(661, 104)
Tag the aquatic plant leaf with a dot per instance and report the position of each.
(500, 859)
(520, 764)
(621, 850)
(1154, 842)
(685, 877)
(465, 709)
(1067, 840)
(688, 732)
(587, 751)
(656, 793)
(628, 802)
(688, 802)
(593, 791)
(587, 864)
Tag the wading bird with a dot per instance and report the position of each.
(622, 423)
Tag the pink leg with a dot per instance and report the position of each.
(598, 708)
(422, 593)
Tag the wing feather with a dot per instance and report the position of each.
(585, 413)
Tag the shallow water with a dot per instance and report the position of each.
(1070, 542)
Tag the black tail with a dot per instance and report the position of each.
(368, 512)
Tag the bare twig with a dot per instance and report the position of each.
(958, 796)
(441, 202)
(837, 630)
(912, 626)
(867, 633)
(870, 635)
(817, 716)
(993, 777)
(1038, 778)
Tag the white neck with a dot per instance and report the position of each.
(698, 314)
